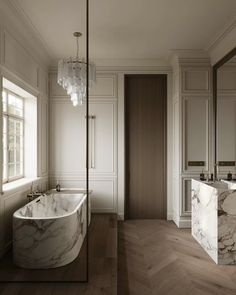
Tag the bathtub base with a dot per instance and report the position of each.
(29, 263)
(49, 243)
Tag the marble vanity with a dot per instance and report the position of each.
(214, 219)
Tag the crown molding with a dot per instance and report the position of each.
(185, 56)
(35, 40)
(189, 53)
(221, 35)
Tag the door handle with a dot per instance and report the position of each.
(91, 141)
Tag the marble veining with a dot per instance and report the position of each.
(49, 231)
(227, 227)
(204, 217)
(52, 205)
(214, 219)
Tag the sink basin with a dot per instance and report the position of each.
(218, 184)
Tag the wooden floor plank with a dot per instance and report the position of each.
(155, 257)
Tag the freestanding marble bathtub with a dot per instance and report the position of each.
(49, 231)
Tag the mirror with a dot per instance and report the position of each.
(224, 92)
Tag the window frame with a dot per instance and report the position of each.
(7, 115)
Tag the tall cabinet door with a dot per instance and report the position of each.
(68, 141)
(102, 137)
(196, 121)
(67, 156)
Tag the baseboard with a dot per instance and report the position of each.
(121, 216)
(176, 219)
(182, 222)
(105, 210)
(169, 216)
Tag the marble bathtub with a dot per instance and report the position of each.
(49, 231)
(214, 219)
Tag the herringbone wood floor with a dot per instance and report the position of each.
(155, 257)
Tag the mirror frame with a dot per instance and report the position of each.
(216, 66)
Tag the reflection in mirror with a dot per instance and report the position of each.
(226, 119)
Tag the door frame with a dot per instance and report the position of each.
(141, 69)
(126, 166)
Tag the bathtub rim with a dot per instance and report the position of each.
(84, 196)
(65, 190)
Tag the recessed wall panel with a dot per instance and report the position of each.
(196, 133)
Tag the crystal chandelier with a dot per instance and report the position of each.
(72, 75)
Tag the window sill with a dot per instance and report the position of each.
(17, 184)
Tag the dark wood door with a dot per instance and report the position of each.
(145, 129)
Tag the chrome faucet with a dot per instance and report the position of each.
(58, 187)
(32, 195)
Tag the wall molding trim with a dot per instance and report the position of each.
(16, 79)
(182, 222)
(196, 57)
(28, 32)
(221, 35)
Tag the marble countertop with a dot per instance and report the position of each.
(220, 184)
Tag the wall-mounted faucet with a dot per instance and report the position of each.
(58, 187)
(33, 195)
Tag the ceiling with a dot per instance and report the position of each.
(124, 29)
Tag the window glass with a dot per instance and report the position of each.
(15, 105)
(13, 132)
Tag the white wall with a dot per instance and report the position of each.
(23, 62)
(107, 103)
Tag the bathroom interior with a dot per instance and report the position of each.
(118, 147)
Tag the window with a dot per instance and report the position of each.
(13, 136)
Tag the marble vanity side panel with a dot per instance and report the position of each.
(49, 243)
(204, 217)
(227, 227)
